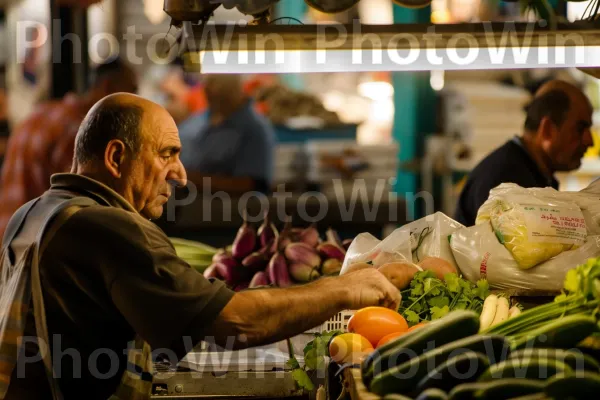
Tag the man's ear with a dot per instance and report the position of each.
(547, 129)
(114, 156)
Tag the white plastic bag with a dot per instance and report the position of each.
(430, 237)
(534, 224)
(426, 237)
(367, 248)
(479, 254)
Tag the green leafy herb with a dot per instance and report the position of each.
(437, 312)
(412, 317)
(430, 298)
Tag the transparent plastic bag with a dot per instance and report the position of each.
(366, 248)
(534, 224)
(429, 237)
(479, 254)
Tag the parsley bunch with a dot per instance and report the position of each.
(429, 298)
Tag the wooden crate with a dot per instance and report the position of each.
(355, 386)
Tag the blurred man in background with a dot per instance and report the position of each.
(43, 144)
(231, 143)
(557, 134)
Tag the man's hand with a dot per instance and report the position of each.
(369, 287)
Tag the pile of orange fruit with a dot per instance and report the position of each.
(368, 329)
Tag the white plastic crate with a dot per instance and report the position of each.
(338, 322)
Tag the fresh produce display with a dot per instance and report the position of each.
(196, 254)
(265, 256)
(430, 298)
(536, 352)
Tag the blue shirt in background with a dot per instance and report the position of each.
(241, 146)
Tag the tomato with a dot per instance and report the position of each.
(348, 347)
(417, 326)
(374, 323)
(389, 338)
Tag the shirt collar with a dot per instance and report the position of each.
(551, 180)
(91, 188)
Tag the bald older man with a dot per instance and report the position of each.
(110, 274)
(232, 144)
(556, 136)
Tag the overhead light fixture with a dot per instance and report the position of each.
(343, 48)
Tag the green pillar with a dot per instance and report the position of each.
(414, 118)
(293, 9)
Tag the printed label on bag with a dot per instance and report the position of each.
(554, 224)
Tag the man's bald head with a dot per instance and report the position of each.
(554, 100)
(132, 145)
(118, 116)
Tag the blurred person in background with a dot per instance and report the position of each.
(231, 143)
(43, 143)
(556, 136)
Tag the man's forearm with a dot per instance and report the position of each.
(258, 317)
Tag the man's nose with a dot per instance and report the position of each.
(178, 174)
(588, 139)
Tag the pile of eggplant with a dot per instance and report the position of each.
(267, 257)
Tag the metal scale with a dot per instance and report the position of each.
(257, 373)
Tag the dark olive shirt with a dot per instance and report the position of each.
(108, 274)
(510, 163)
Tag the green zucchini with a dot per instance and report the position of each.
(465, 391)
(454, 326)
(574, 386)
(433, 394)
(464, 368)
(575, 359)
(503, 389)
(563, 333)
(404, 378)
(529, 368)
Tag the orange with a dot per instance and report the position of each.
(374, 323)
(417, 326)
(389, 338)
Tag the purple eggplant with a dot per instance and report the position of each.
(231, 275)
(259, 279)
(222, 253)
(330, 250)
(310, 236)
(257, 260)
(304, 273)
(277, 269)
(267, 232)
(302, 253)
(245, 241)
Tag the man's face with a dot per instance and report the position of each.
(569, 142)
(157, 164)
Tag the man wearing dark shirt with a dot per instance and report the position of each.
(110, 274)
(556, 136)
